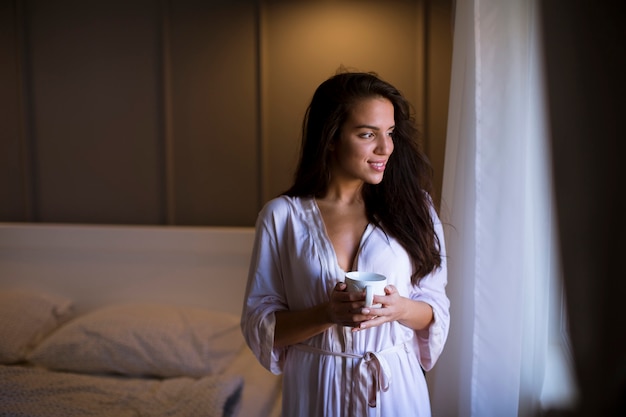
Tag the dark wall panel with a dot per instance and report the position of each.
(94, 93)
(180, 112)
(13, 193)
(214, 96)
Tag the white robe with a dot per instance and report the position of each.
(294, 267)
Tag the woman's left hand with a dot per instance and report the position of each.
(391, 309)
(415, 314)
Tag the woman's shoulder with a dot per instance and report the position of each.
(282, 206)
(280, 203)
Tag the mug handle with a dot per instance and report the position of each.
(369, 295)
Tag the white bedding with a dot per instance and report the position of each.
(173, 361)
(244, 389)
(128, 360)
(27, 391)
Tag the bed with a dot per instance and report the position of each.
(127, 321)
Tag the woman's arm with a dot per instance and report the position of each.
(296, 326)
(417, 314)
(343, 308)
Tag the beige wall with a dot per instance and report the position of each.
(189, 112)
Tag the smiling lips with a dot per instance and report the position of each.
(378, 166)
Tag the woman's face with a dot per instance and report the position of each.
(365, 142)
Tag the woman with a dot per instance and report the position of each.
(359, 202)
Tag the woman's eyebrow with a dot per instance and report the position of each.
(372, 127)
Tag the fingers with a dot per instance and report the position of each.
(391, 293)
(340, 294)
(373, 317)
(360, 318)
(371, 321)
(347, 307)
(390, 289)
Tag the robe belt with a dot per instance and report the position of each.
(374, 375)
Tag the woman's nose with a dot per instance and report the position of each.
(385, 145)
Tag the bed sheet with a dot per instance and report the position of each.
(261, 396)
(244, 389)
(34, 392)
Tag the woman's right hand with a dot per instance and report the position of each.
(345, 307)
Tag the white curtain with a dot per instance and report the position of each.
(506, 346)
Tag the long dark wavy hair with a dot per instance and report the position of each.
(400, 203)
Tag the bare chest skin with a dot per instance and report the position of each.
(345, 225)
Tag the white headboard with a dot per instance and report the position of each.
(101, 265)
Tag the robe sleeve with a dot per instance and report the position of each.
(264, 292)
(431, 290)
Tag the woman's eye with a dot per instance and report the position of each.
(367, 135)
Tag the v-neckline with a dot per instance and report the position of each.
(330, 248)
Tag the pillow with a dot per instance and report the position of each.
(26, 317)
(143, 340)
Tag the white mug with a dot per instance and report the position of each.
(371, 282)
